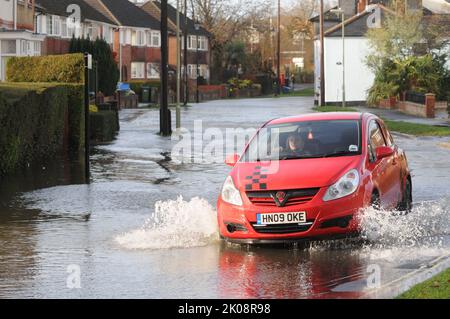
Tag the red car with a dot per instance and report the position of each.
(306, 177)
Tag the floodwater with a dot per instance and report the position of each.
(146, 225)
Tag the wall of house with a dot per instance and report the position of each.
(137, 54)
(6, 14)
(25, 15)
(52, 46)
(358, 76)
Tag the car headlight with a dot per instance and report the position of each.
(230, 193)
(345, 186)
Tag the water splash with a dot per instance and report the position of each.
(426, 226)
(175, 224)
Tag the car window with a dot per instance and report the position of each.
(376, 139)
(313, 139)
(388, 135)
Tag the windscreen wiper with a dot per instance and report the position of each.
(337, 154)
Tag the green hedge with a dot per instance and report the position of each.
(103, 126)
(136, 86)
(67, 68)
(33, 119)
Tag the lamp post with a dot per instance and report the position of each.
(342, 14)
(185, 55)
(197, 96)
(165, 118)
(178, 115)
(279, 49)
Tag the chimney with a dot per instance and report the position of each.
(361, 6)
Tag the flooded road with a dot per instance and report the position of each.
(146, 225)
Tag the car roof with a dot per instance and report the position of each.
(325, 116)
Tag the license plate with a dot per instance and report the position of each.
(281, 218)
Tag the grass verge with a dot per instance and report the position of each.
(303, 92)
(417, 129)
(437, 287)
(329, 108)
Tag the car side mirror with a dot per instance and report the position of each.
(231, 160)
(384, 151)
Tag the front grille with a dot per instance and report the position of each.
(293, 197)
(283, 228)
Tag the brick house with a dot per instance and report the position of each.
(203, 56)
(133, 34)
(52, 20)
(16, 32)
(137, 41)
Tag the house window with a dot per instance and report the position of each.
(53, 25)
(108, 34)
(125, 36)
(128, 36)
(155, 39)
(153, 71)
(138, 38)
(40, 24)
(8, 46)
(137, 70)
(203, 43)
(191, 42)
(37, 48)
(192, 71)
(64, 30)
(73, 28)
(203, 71)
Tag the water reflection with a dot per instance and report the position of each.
(286, 273)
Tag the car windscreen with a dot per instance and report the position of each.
(299, 140)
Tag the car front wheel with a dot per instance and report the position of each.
(406, 203)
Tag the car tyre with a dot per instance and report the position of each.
(375, 201)
(407, 200)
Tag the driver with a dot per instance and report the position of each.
(295, 144)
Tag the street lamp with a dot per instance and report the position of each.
(341, 12)
(197, 29)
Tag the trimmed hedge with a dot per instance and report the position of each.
(33, 120)
(67, 68)
(103, 126)
(136, 86)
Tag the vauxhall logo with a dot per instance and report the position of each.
(280, 198)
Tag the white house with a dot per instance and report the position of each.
(16, 32)
(358, 77)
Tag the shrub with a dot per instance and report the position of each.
(68, 68)
(108, 73)
(240, 84)
(380, 91)
(103, 126)
(136, 86)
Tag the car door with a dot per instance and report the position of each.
(395, 165)
(383, 170)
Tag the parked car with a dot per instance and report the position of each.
(322, 169)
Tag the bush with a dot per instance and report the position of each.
(136, 86)
(75, 95)
(380, 91)
(103, 126)
(240, 84)
(68, 68)
(108, 73)
(422, 74)
(33, 122)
